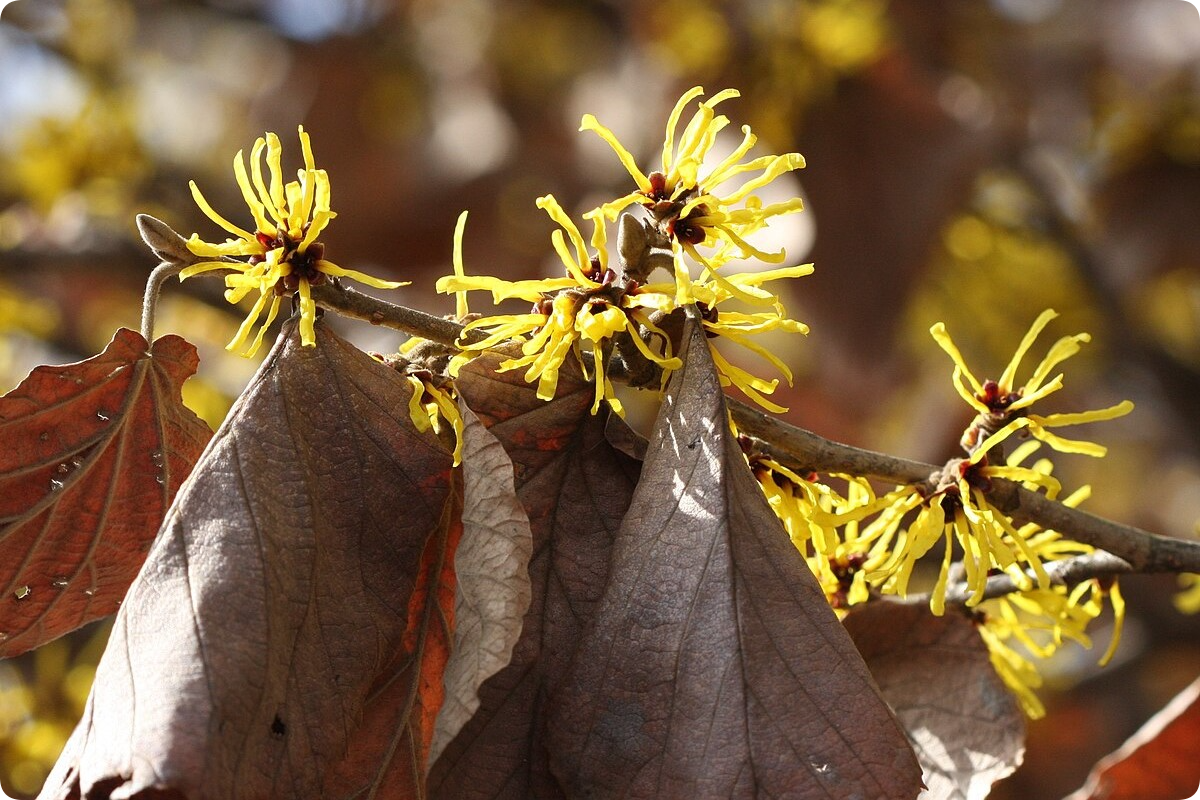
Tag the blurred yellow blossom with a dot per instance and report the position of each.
(282, 254)
(1188, 600)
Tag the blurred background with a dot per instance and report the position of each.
(970, 161)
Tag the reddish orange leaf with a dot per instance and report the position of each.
(287, 634)
(91, 455)
(387, 754)
(1159, 762)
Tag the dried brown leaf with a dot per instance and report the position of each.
(90, 456)
(492, 566)
(575, 488)
(1159, 762)
(288, 632)
(965, 726)
(714, 666)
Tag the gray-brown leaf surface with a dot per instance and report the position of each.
(575, 488)
(935, 673)
(276, 605)
(714, 667)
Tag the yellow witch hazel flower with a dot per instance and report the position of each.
(811, 512)
(683, 197)
(283, 255)
(957, 513)
(1035, 624)
(739, 326)
(1030, 623)
(1003, 406)
(430, 404)
(689, 208)
(590, 303)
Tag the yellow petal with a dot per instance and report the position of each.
(260, 186)
(1118, 606)
(715, 177)
(997, 437)
(1029, 397)
(939, 334)
(1010, 371)
(205, 266)
(1067, 445)
(590, 123)
(460, 297)
(416, 411)
(310, 163)
(308, 315)
(1060, 351)
(576, 266)
(778, 166)
(752, 387)
(759, 277)
(330, 268)
(1079, 418)
(450, 411)
(215, 217)
(672, 122)
(256, 207)
(668, 363)
(274, 163)
(247, 325)
(262, 329)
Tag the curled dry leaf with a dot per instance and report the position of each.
(492, 567)
(287, 635)
(713, 666)
(90, 456)
(935, 673)
(1159, 762)
(575, 488)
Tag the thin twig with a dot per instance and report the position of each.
(1068, 572)
(806, 451)
(357, 305)
(150, 298)
(172, 249)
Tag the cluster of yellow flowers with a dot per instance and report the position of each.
(858, 543)
(862, 545)
(282, 255)
(605, 306)
(684, 209)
